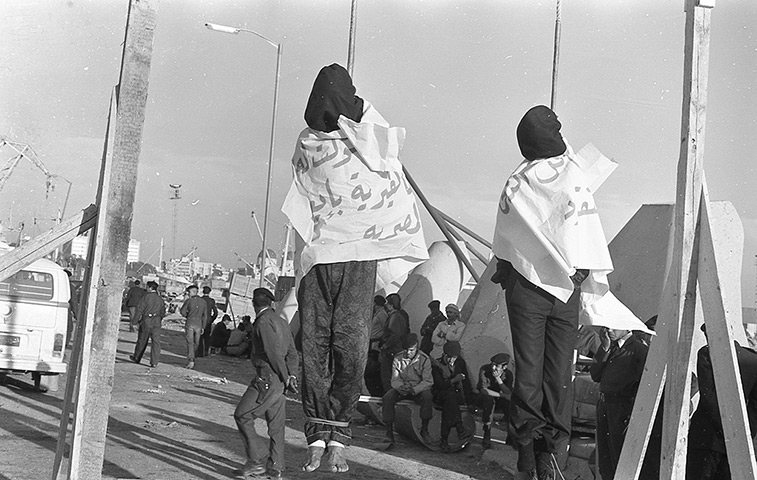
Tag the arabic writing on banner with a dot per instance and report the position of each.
(548, 226)
(345, 210)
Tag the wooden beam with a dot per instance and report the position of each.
(685, 242)
(112, 242)
(725, 370)
(78, 367)
(41, 245)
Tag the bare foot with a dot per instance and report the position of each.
(314, 459)
(336, 461)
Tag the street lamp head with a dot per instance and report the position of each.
(222, 28)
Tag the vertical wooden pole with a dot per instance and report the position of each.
(112, 241)
(686, 241)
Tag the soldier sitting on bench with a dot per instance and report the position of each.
(411, 380)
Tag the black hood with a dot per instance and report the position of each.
(333, 94)
(539, 134)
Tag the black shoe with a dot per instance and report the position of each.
(250, 468)
(487, 440)
(444, 447)
(133, 359)
(273, 473)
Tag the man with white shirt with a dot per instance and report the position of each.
(451, 330)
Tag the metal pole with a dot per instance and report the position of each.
(351, 49)
(270, 161)
(556, 56)
(442, 226)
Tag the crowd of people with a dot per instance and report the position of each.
(360, 230)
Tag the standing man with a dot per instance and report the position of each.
(706, 458)
(429, 326)
(548, 239)
(379, 321)
(494, 389)
(451, 389)
(358, 230)
(396, 328)
(617, 367)
(275, 360)
(412, 379)
(133, 296)
(195, 310)
(451, 330)
(204, 346)
(150, 313)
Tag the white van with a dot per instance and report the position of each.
(33, 320)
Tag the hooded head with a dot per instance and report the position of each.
(333, 94)
(539, 134)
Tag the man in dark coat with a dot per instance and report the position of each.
(427, 329)
(195, 311)
(133, 296)
(276, 362)
(204, 345)
(617, 367)
(451, 389)
(494, 388)
(706, 457)
(149, 316)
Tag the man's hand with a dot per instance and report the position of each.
(405, 390)
(604, 338)
(458, 378)
(579, 277)
(291, 385)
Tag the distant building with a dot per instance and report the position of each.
(80, 248)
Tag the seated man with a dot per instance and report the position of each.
(220, 334)
(411, 380)
(450, 389)
(495, 385)
(238, 343)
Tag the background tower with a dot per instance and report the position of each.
(175, 198)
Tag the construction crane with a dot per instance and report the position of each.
(23, 150)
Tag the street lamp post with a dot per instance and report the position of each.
(235, 31)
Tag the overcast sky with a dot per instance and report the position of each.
(458, 75)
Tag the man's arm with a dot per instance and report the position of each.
(455, 333)
(141, 307)
(213, 311)
(436, 337)
(184, 310)
(274, 348)
(598, 365)
(396, 378)
(427, 378)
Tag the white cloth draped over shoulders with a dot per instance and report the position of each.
(350, 200)
(548, 226)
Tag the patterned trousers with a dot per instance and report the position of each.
(336, 307)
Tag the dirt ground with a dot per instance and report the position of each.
(172, 423)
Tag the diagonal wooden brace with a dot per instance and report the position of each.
(41, 245)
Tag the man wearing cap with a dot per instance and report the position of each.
(149, 316)
(451, 389)
(707, 458)
(617, 367)
(451, 330)
(411, 380)
(494, 388)
(275, 360)
(204, 346)
(359, 230)
(195, 310)
(429, 326)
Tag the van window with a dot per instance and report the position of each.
(28, 285)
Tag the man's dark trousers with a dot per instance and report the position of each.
(488, 404)
(336, 311)
(544, 335)
(273, 409)
(149, 328)
(425, 399)
(450, 400)
(612, 419)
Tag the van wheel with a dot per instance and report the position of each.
(44, 383)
